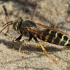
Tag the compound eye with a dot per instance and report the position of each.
(15, 26)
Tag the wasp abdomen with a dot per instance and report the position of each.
(54, 37)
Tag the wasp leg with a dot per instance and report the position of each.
(17, 40)
(42, 47)
(46, 53)
(13, 44)
(20, 43)
(30, 38)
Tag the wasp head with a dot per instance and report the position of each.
(17, 24)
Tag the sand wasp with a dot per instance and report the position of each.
(29, 28)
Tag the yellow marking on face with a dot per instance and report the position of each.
(66, 42)
(61, 39)
(15, 25)
(56, 35)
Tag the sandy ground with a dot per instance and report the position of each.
(31, 56)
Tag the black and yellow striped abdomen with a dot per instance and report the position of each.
(54, 37)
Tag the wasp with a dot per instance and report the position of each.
(29, 28)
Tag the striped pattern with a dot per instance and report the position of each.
(54, 37)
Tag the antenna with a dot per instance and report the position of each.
(6, 15)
